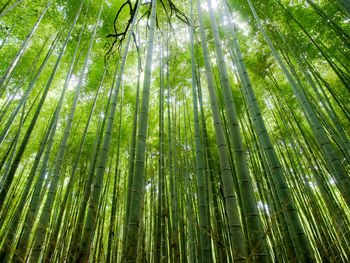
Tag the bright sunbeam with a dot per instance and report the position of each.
(214, 3)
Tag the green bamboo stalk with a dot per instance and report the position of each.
(137, 186)
(202, 195)
(131, 160)
(54, 236)
(44, 220)
(90, 221)
(255, 231)
(235, 228)
(109, 256)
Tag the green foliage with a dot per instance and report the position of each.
(309, 36)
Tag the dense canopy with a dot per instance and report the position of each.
(174, 131)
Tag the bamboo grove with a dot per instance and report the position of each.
(174, 131)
